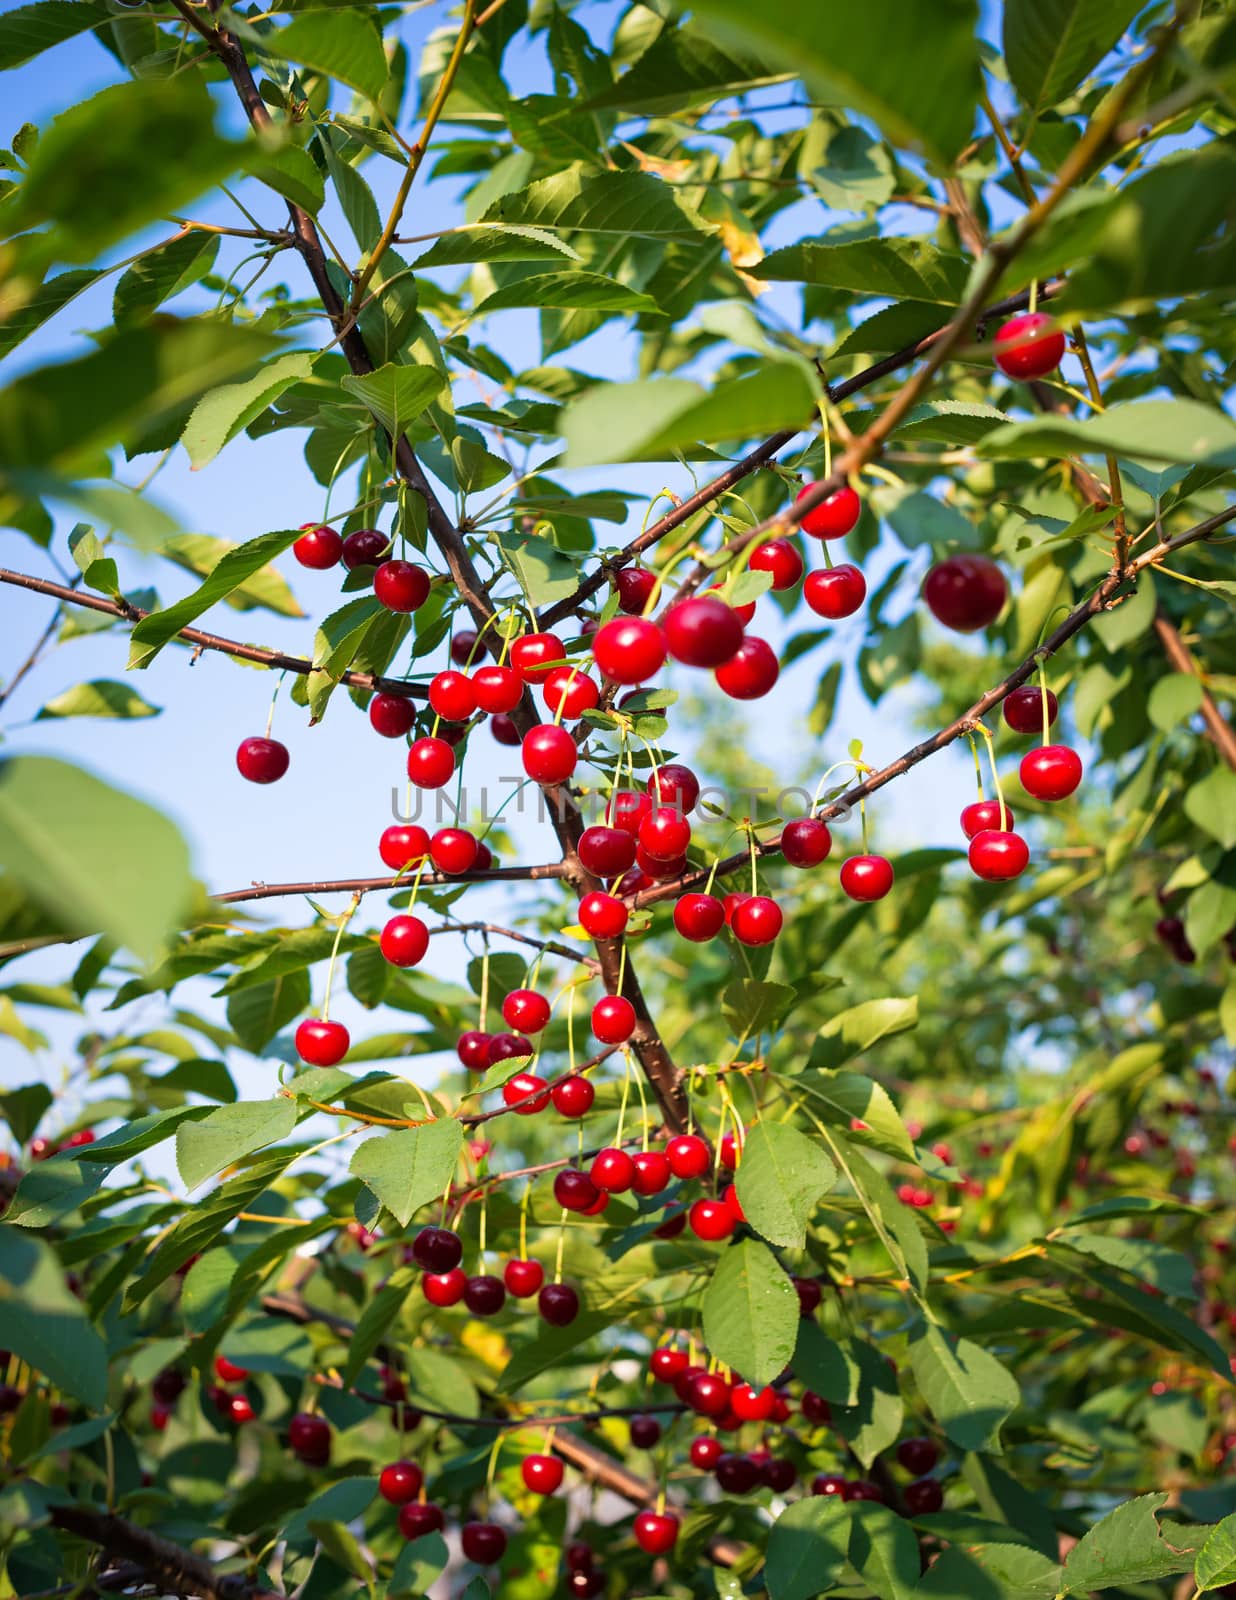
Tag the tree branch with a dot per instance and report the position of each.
(274, 891)
(178, 1571)
(1177, 653)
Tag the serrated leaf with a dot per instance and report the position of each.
(751, 1312)
(883, 1551)
(223, 413)
(201, 553)
(226, 1135)
(901, 269)
(1154, 430)
(807, 1548)
(1216, 1560)
(571, 291)
(27, 31)
(780, 1180)
(409, 1167)
(1051, 45)
(970, 1393)
(1126, 1547)
(162, 273)
(344, 44)
(396, 395)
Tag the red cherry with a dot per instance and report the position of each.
(534, 654)
(445, 1288)
(736, 1473)
(504, 729)
(417, 1519)
(262, 760)
(664, 834)
(862, 1489)
(431, 763)
(711, 1219)
(659, 868)
(985, 814)
(629, 649)
(166, 1387)
(597, 1206)
(923, 1497)
(1023, 709)
(634, 586)
(652, 1172)
(636, 881)
(452, 696)
(836, 592)
(731, 1150)
(454, 850)
(997, 857)
(400, 586)
(364, 548)
(731, 904)
(780, 558)
(400, 1482)
(815, 1408)
(675, 786)
(321, 1043)
(743, 612)
(750, 672)
(497, 689)
(525, 1010)
(829, 1483)
(574, 1190)
(160, 1416)
(706, 1451)
(523, 1278)
(502, 1046)
(656, 1532)
(708, 1393)
(752, 1405)
(806, 842)
(675, 1222)
(523, 1093)
(549, 754)
(918, 1456)
(404, 941)
(579, 1557)
(403, 846)
(391, 715)
(606, 852)
(965, 593)
(42, 1150)
(866, 877)
(687, 1155)
(779, 1474)
(1051, 772)
(309, 1437)
(613, 1019)
(558, 1304)
(645, 1432)
(1029, 346)
(228, 1372)
(602, 916)
(484, 1295)
(569, 692)
(665, 1362)
(835, 516)
(236, 1408)
(541, 1474)
(472, 1048)
(612, 1170)
(809, 1294)
(702, 631)
(573, 1097)
(757, 921)
(319, 547)
(437, 1249)
(627, 809)
(463, 647)
(699, 917)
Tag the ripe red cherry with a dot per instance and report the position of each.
(836, 592)
(502, 1046)
(656, 1532)
(752, 1405)
(497, 688)
(549, 754)
(699, 917)
(558, 1304)
(237, 1409)
(866, 877)
(751, 671)
(404, 941)
(918, 1456)
(431, 763)
(416, 1520)
(400, 586)
(1023, 709)
(585, 1585)
(627, 809)
(541, 1474)
(321, 1043)
(829, 1483)
(573, 1097)
(645, 1432)
(706, 1451)
(634, 586)
(664, 834)
(403, 845)
(708, 1393)
(687, 1155)
(809, 1294)
(523, 1278)
(452, 696)
(652, 1172)
(318, 547)
(526, 1094)
(674, 785)
(437, 1249)
(391, 715)
(612, 1170)
(731, 1150)
(606, 852)
(504, 730)
(780, 1474)
(675, 1222)
(702, 631)
(816, 1409)
(985, 814)
(445, 1288)
(400, 1482)
(484, 1295)
(996, 857)
(364, 548)
(743, 612)
(525, 1010)
(736, 1473)
(534, 654)
(1051, 772)
(472, 1048)
(602, 915)
(711, 1219)
(463, 645)
(665, 1363)
(309, 1437)
(228, 1372)
(925, 1496)
(834, 516)
(805, 842)
(453, 850)
(629, 649)
(574, 1190)
(863, 1489)
(757, 921)
(965, 593)
(657, 867)
(1029, 346)
(613, 1019)
(261, 760)
(780, 558)
(569, 692)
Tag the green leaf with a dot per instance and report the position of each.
(396, 395)
(780, 1180)
(162, 273)
(544, 572)
(22, 318)
(1051, 45)
(257, 1013)
(1126, 1547)
(343, 44)
(850, 1097)
(1152, 430)
(416, 1566)
(97, 860)
(573, 291)
(752, 1005)
(226, 1135)
(873, 1422)
(293, 173)
(44, 1323)
(1166, 1270)
(921, 519)
(201, 553)
(1216, 1560)
(684, 67)
(751, 1312)
(29, 30)
(409, 1167)
(343, 1501)
(852, 1033)
(23, 1109)
(970, 1393)
(1211, 805)
(625, 204)
(884, 1551)
(375, 1322)
(220, 415)
(102, 698)
(495, 241)
(807, 1548)
(899, 268)
(1174, 699)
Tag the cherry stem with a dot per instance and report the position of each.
(485, 984)
(1034, 295)
(643, 1108)
(270, 715)
(862, 812)
(626, 1092)
(523, 1221)
(1043, 697)
(995, 776)
(334, 954)
(978, 765)
(755, 883)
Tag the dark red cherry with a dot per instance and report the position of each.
(781, 558)
(569, 692)
(497, 689)
(645, 1432)
(504, 730)
(523, 1278)
(923, 1497)
(403, 845)
(805, 842)
(836, 592)
(167, 1386)
(437, 1249)
(863, 1489)
(866, 877)
(757, 921)
(391, 715)
(526, 1094)
(445, 1288)
(472, 1049)
(997, 857)
(364, 548)
(404, 941)
(660, 869)
(585, 1585)
(779, 1474)
(612, 1170)
(708, 1393)
(629, 649)
(829, 1483)
(525, 1011)
(1029, 346)
(702, 631)
(602, 915)
(503, 1046)
(675, 786)
(810, 1293)
(1051, 772)
(549, 754)
(574, 1190)
(400, 1482)
(463, 647)
(452, 696)
(262, 760)
(417, 1519)
(750, 672)
(835, 516)
(573, 1097)
(675, 1222)
(309, 1437)
(983, 814)
(484, 1295)
(558, 1304)
(665, 1363)
(656, 1532)
(534, 654)
(816, 1408)
(400, 586)
(918, 1456)
(606, 852)
(542, 1474)
(634, 586)
(736, 1474)
(320, 1043)
(318, 547)
(431, 763)
(965, 593)
(687, 1155)
(699, 917)
(1023, 709)
(652, 1172)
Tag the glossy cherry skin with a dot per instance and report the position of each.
(829, 1483)
(780, 1474)
(262, 760)
(702, 631)
(665, 833)
(687, 1155)
(236, 1408)
(309, 1437)
(526, 1094)
(523, 1278)
(863, 1489)
(651, 1172)
(472, 1048)
(835, 516)
(585, 1585)
(1023, 709)
(736, 1474)
(502, 1046)
(996, 857)
(656, 1532)
(836, 592)
(673, 786)
(454, 850)
(1051, 772)
(627, 809)
(452, 695)
(484, 1295)
(706, 1451)
(403, 845)
(711, 1220)
(781, 559)
(437, 1249)
(166, 1387)
(659, 868)
(431, 763)
(985, 814)
(634, 586)
(404, 941)
(400, 586)
(866, 877)
(757, 921)
(504, 730)
(541, 1474)
(318, 548)
(573, 1097)
(965, 593)
(730, 1150)
(549, 754)
(602, 915)
(400, 1482)
(391, 715)
(463, 647)
(923, 1497)
(805, 842)
(574, 1190)
(815, 1408)
(645, 1432)
(445, 1288)
(525, 1010)
(569, 692)
(558, 1304)
(321, 1044)
(364, 548)
(751, 1404)
(665, 1363)
(699, 917)
(750, 672)
(497, 688)
(612, 1170)
(918, 1456)
(629, 649)
(708, 1393)
(1029, 346)
(534, 655)
(228, 1372)
(606, 852)
(416, 1520)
